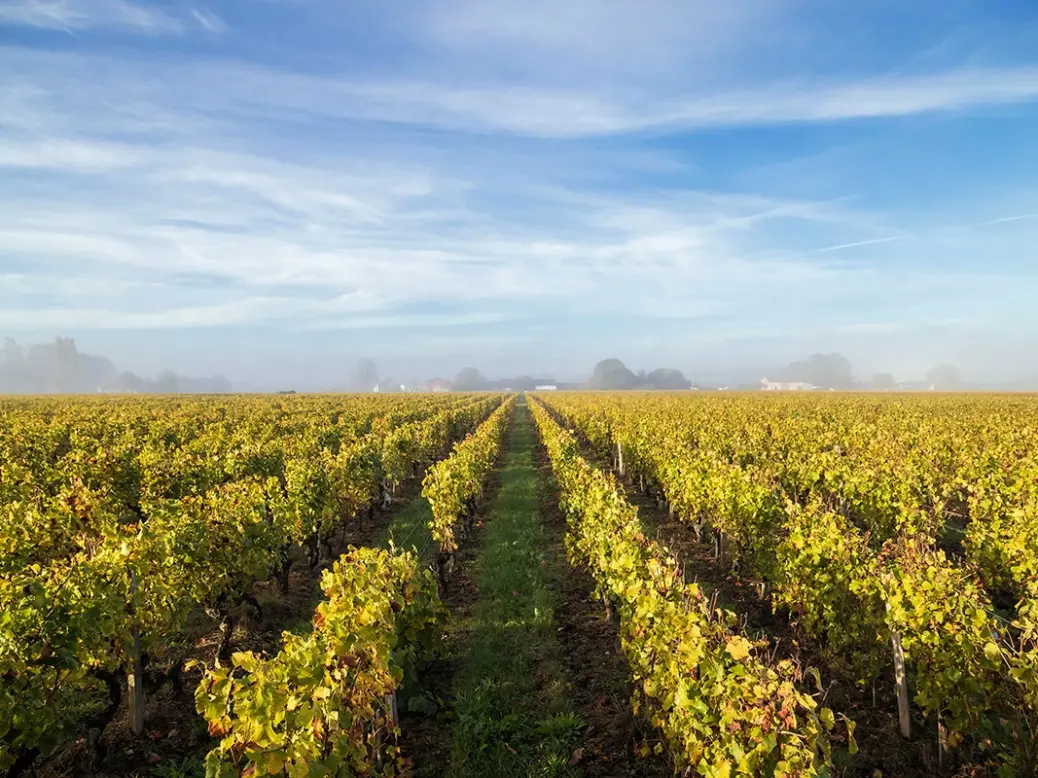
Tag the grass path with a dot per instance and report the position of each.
(513, 714)
(409, 528)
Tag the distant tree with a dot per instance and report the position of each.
(128, 382)
(212, 385)
(469, 380)
(826, 371)
(667, 379)
(364, 377)
(59, 364)
(167, 383)
(883, 382)
(13, 354)
(523, 383)
(59, 367)
(944, 377)
(12, 368)
(612, 374)
(96, 373)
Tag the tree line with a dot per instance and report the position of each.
(60, 368)
(834, 371)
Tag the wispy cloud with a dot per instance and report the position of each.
(889, 96)
(207, 89)
(68, 155)
(856, 244)
(64, 317)
(930, 234)
(209, 20)
(1006, 219)
(82, 15)
(569, 113)
(362, 254)
(371, 240)
(579, 40)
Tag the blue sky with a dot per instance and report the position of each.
(276, 187)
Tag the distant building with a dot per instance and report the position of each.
(786, 386)
(915, 386)
(437, 385)
(546, 388)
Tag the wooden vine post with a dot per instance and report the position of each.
(392, 708)
(721, 546)
(901, 680)
(392, 713)
(135, 678)
(619, 457)
(942, 739)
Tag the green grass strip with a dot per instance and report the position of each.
(409, 528)
(513, 714)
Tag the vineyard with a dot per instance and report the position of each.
(633, 584)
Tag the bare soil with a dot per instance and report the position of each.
(598, 671)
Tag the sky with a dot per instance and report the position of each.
(271, 189)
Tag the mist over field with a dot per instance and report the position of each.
(61, 366)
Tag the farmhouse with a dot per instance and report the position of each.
(786, 386)
(915, 386)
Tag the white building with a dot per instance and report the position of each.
(786, 386)
(546, 388)
(915, 386)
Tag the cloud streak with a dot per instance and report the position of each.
(91, 15)
(371, 250)
(209, 21)
(208, 90)
(1007, 219)
(856, 244)
(565, 113)
(933, 233)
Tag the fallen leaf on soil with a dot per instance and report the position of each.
(511, 750)
(153, 758)
(578, 755)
